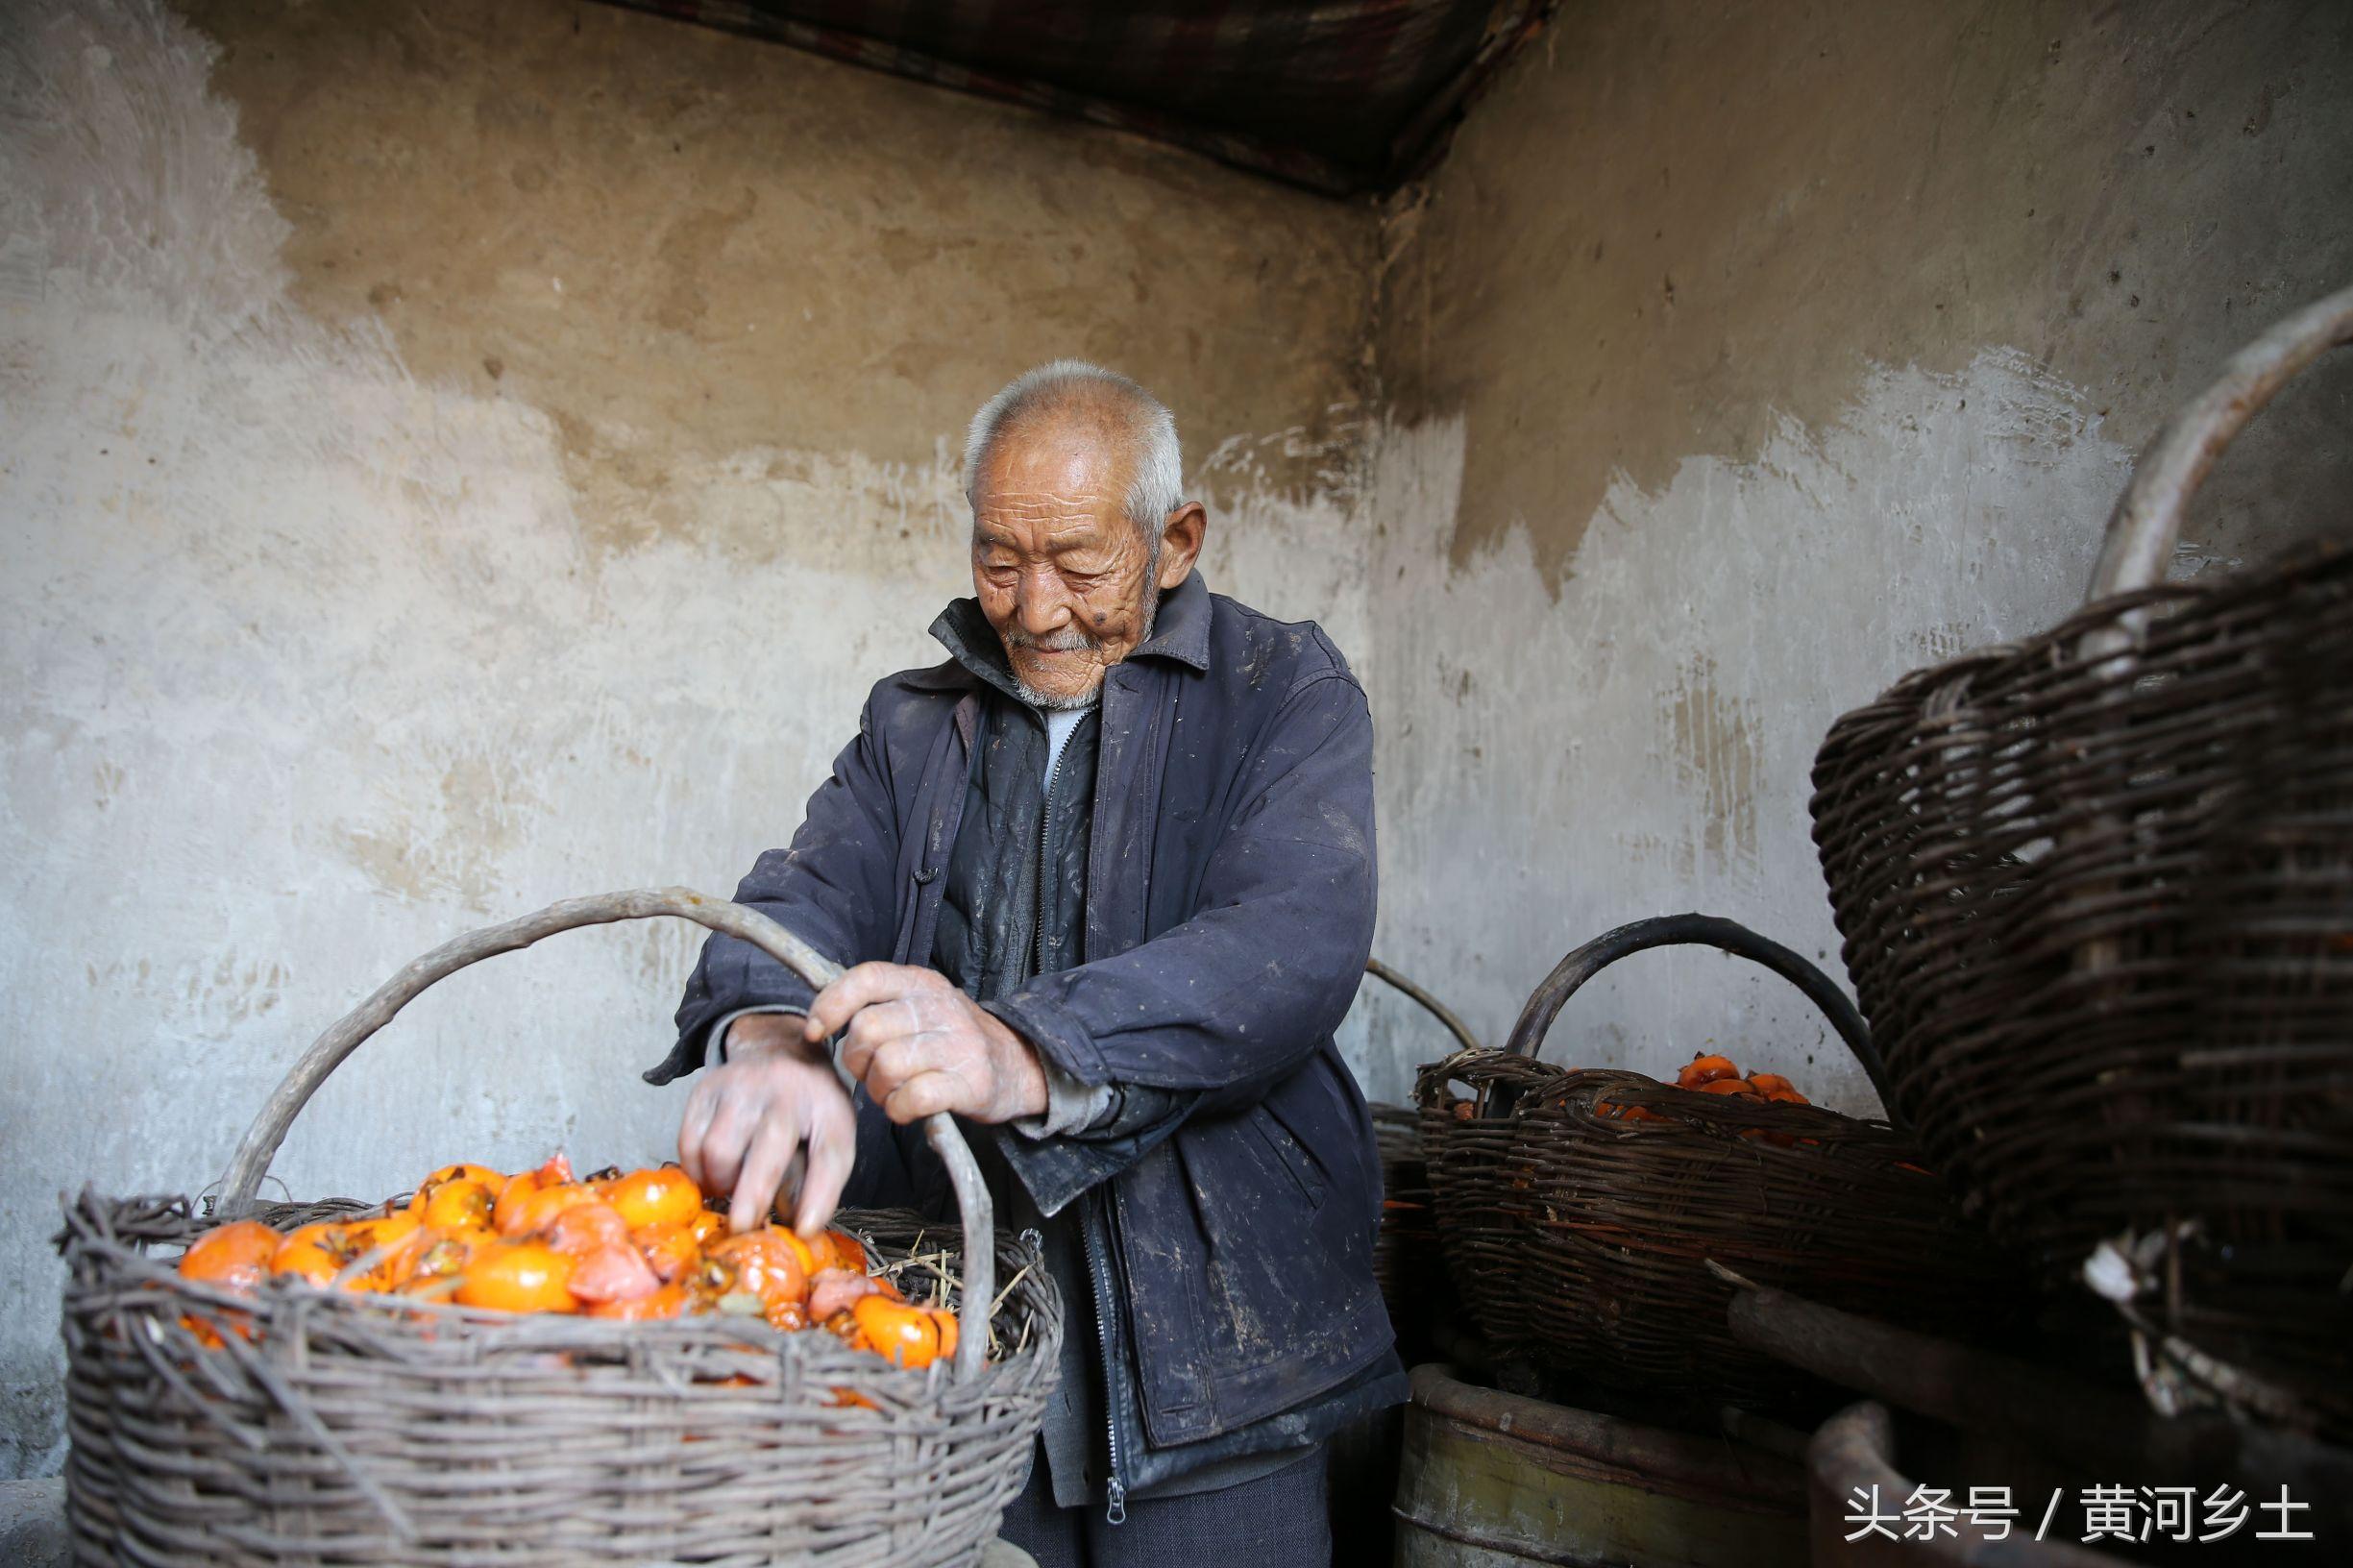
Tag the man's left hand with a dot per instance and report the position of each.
(920, 1046)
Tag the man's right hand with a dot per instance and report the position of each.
(750, 1118)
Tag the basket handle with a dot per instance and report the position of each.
(1438, 1010)
(2147, 516)
(1536, 1020)
(260, 1145)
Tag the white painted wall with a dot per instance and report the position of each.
(1641, 743)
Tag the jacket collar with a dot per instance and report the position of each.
(1180, 632)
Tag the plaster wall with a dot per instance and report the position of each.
(458, 457)
(1743, 356)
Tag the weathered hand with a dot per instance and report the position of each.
(920, 1046)
(748, 1120)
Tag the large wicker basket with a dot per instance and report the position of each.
(1581, 1238)
(2096, 895)
(320, 1428)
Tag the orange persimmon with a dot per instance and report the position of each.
(655, 1197)
(584, 1227)
(671, 1253)
(518, 1188)
(518, 1277)
(902, 1336)
(315, 1253)
(462, 1202)
(234, 1257)
(399, 1241)
(1741, 1087)
(763, 1263)
(1705, 1069)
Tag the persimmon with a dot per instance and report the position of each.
(518, 1277)
(585, 1227)
(1741, 1087)
(655, 1197)
(1705, 1069)
(556, 1172)
(614, 1272)
(762, 1263)
(315, 1253)
(849, 1252)
(903, 1336)
(462, 1202)
(399, 1239)
(531, 1212)
(672, 1254)
(463, 1171)
(835, 1290)
(666, 1302)
(234, 1257)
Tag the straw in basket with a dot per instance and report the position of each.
(323, 1428)
(1581, 1237)
(2096, 896)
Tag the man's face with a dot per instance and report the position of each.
(1062, 573)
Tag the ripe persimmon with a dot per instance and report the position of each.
(904, 1335)
(234, 1257)
(1705, 1069)
(585, 1227)
(763, 1263)
(462, 1202)
(463, 1171)
(556, 1172)
(849, 1252)
(655, 1197)
(672, 1254)
(1741, 1087)
(613, 1272)
(518, 1277)
(398, 1238)
(315, 1253)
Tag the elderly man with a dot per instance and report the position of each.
(1106, 877)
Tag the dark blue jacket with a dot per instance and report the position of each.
(1229, 914)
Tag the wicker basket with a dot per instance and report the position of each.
(1407, 1263)
(2096, 895)
(1581, 1238)
(322, 1428)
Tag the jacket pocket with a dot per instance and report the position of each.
(1288, 1155)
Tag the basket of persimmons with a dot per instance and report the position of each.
(539, 1367)
(1580, 1209)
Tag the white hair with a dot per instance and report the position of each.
(1158, 462)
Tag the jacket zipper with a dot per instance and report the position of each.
(1098, 1268)
(1115, 1511)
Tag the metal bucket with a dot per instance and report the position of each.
(1491, 1480)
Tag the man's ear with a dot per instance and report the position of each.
(1180, 543)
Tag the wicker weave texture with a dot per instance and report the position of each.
(2100, 912)
(1580, 1240)
(329, 1429)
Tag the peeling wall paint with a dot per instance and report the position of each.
(328, 642)
(1738, 359)
(1639, 746)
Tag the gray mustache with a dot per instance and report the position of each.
(1068, 640)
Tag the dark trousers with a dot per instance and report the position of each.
(1278, 1520)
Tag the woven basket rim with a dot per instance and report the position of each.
(429, 1329)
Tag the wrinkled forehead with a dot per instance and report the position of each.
(1066, 461)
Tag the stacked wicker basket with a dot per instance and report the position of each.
(307, 1426)
(2097, 892)
(1581, 1236)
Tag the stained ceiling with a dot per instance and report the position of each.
(1345, 97)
